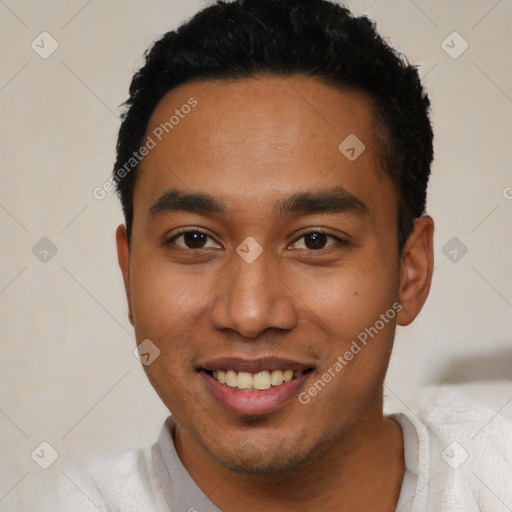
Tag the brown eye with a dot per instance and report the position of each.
(315, 240)
(193, 240)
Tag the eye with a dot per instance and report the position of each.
(316, 240)
(193, 239)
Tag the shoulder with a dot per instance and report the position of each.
(479, 414)
(124, 482)
(464, 445)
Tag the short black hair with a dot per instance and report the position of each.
(316, 38)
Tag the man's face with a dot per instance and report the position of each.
(291, 255)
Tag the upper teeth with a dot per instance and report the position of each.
(261, 380)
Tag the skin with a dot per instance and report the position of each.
(262, 140)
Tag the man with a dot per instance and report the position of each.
(272, 166)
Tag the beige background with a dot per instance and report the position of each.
(67, 372)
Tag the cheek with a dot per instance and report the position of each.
(348, 299)
(165, 298)
(167, 305)
(357, 311)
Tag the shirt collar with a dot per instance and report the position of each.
(179, 488)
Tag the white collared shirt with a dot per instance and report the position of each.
(458, 458)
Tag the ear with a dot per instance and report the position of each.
(416, 267)
(123, 257)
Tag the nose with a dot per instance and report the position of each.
(253, 298)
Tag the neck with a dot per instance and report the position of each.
(362, 471)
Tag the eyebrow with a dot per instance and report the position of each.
(173, 201)
(333, 200)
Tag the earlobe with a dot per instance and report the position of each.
(123, 257)
(417, 263)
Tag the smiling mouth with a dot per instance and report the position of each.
(260, 381)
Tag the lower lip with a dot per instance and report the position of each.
(254, 402)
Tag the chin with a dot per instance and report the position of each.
(258, 462)
(268, 456)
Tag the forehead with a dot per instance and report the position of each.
(249, 141)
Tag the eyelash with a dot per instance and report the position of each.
(170, 240)
(339, 241)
